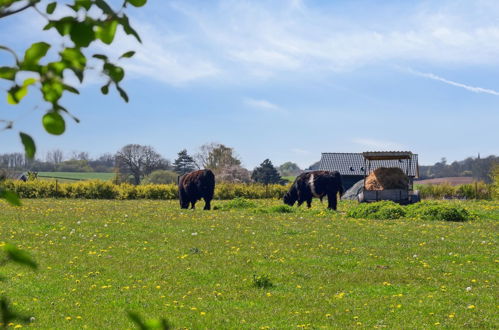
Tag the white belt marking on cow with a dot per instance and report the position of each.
(312, 186)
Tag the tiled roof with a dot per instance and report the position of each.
(353, 163)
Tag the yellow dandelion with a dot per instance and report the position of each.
(471, 306)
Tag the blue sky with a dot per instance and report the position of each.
(285, 80)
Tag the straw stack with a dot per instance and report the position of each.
(387, 178)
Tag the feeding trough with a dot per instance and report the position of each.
(388, 183)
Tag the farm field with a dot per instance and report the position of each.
(72, 176)
(99, 258)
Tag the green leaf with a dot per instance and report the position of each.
(70, 89)
(10, 196)
(122, 92)
(35, 53)
(114, 72)
(137, 3)
(16, 93)
(51, 7)
(29, 145)
(7, 73)
(82, 34)
(128, 29)
(76, 61)
(64, 26)
(128, 54)
(105, 89)
(106, 31)
(104, 7)
(100, 57)
(19, 256)
(54, 123)
(82, 4)
(52, 90)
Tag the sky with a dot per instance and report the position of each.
(284, 80)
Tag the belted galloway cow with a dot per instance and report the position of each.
(196, 185)
(315, 184)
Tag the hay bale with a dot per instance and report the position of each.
(387, 178)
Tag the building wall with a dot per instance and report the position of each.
(350, 180)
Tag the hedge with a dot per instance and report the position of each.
(98, 189)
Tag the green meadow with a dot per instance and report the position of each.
(72, 176)
(253, 266)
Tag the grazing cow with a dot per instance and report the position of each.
(315, 184)
(194, 186)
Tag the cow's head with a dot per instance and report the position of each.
(290, 197)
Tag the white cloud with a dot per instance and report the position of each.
(235, 41)
(264, 105)
(453, 83)
(379, 145)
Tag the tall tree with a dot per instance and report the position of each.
(289, 169)
(266, 173)
(184, 163)
(217, 156)
(138, 161)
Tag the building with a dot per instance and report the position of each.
(351, 166)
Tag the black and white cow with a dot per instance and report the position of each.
(315, 184)
(194, 186)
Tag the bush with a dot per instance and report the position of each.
(437, 211)
(479, 190)
(377, 210)
(281, 209)
(161, 177)
(97, 189)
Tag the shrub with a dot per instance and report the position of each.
(377, 210)
(281, 209)
(108, 190)
(262, 281)
(438, 211)
(161, 177)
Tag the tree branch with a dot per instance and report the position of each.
(15, 11)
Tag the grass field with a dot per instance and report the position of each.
(98, 259)
(72, 176)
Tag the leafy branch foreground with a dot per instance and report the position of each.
(90, 21)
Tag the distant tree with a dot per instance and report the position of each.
(266, 173)
(105, 163)
(80, 155)
(160, 177)
(289, 169)
(216, 156)
(314, 166)
(234, 174)
(184, 163)
(55, 156)
(139, 161)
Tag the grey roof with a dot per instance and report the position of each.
(353, 163)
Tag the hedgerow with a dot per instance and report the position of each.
(98, 189)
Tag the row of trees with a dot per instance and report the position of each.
(143, 164)
(478, 168)
(136, 163)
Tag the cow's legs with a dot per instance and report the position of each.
(193, 205)
(309, 202)
(331, 201)
(207, 205)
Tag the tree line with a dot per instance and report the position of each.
(479, 168)
(138, 164)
